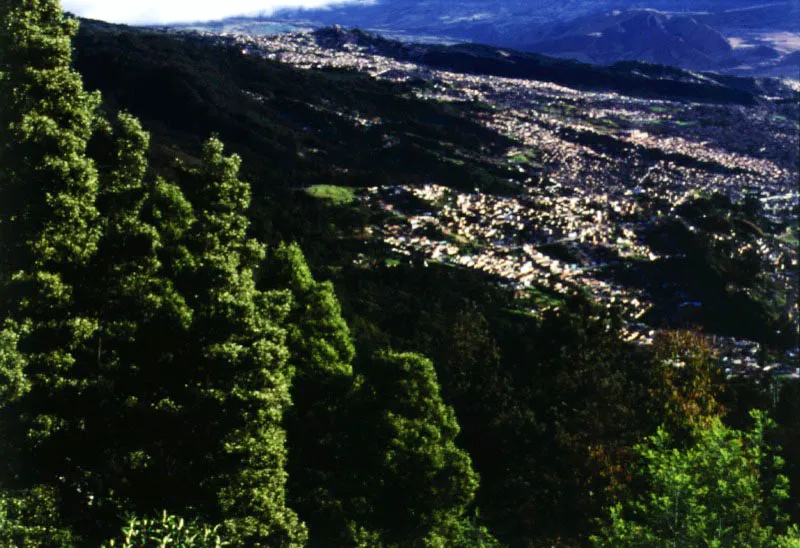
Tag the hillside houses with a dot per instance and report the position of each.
(592, 172)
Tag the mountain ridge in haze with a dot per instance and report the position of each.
(730, 36)
(638, 35)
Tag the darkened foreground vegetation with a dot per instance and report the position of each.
(170, 368)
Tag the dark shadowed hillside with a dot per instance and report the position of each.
(291, 124)
(630, 79)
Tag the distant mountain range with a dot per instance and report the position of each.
(687, 40)
(641, 35)
(730, 36)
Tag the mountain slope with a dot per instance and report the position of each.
(501, 22)
(694, 35)
(632, 79)
(294, 125)
(690, 41)
(638, 35)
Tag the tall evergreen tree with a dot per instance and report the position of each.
(135, 300)
(321, 352)
(319, 336)
(417, 483)
(114, 378)
(235, 368)
(137, 286)
(48, 183)
(372, 461)
(48, 234)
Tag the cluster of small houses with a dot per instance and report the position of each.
(495, 222)
(577, 193)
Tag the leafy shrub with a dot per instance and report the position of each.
(168, 530)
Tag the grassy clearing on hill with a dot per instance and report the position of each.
(339, 195)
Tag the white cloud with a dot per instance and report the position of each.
(172, 11)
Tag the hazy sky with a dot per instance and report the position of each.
(171, 11)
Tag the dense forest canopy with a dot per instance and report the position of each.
(172, 367)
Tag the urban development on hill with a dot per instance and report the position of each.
(400, 273)
(596, 171)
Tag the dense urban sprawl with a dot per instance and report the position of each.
(590, 167)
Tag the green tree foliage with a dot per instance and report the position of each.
(469, 533)
(86, 421)
(143, 366)
(48, 234)
(13, 383)
(468, 364)
(550, 408)
(47, 186)
(321, 353)
(342, 481)
(48, 182)
(235, 368)
(319, 336)
(137, 234)
(134, 298)
(417, 483)
(722, 490)
(30, 517)
(566, 429)
(786, 412)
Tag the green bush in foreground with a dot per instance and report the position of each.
(168, 530)
(723, 490)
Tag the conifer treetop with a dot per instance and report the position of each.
(49, 185)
